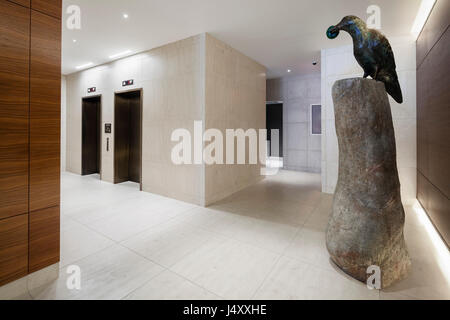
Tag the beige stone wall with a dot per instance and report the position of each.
(171, 78)
(189, 80)
(235, 98)
(73, 123)
(173, 98)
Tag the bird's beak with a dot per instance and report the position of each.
(338, 27)
(335, 29)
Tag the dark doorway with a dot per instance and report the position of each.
(127, 137)
(91, 135)
(274, 120)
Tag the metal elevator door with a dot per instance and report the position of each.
(127, 137)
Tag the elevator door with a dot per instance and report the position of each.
(127, 137)
(91, 141)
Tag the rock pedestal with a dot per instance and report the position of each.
(366, 226)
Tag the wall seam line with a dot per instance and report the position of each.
(29, 140)
(426, 178)
(431, 49)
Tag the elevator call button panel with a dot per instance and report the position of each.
(107, 127)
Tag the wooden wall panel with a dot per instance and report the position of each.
(30, 80)
(433, 113)
(44, 238)
(45, 114)
(50, 7)
(25, 3)
(433, 118)
(436, 204)
(436, 25)
(13, 248)
(422, 189)
(14, 104)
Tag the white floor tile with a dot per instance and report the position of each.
(170, 286)
(309, 246)
(78, 241)
(228, 268)
(169, 242)
(111, 273)
(292, 279)
(132, 219)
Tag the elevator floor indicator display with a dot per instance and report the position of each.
(127, 83)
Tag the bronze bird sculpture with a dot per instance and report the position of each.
(373, 53)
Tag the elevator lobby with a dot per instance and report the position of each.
(188, 150)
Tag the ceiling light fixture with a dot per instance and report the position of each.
(85, 65)
(289, 70)
(125, 15)
(422, 15)
(74, 40)
(119, 54)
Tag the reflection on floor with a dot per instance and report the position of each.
(266, 242)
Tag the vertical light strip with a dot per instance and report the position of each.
(441, 250)
(422, 15)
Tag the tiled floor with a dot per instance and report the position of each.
(266, 242)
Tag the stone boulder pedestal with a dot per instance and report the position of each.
(366, 225)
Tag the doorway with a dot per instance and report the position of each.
(128, 136)
(91, 135)
(274, 121)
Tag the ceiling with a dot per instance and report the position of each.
(280, 34)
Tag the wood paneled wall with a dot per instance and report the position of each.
(433, 118)
(49, 7)
(14, 106)
(45, 111)
(25, 3)
(30, 80)
(13, 248)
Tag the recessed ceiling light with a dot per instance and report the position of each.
(85, 65)
(119, 54)
(422, 15)
(289, 70)
(125, 15)
(74, 40)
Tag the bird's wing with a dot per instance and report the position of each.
(384, 53)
